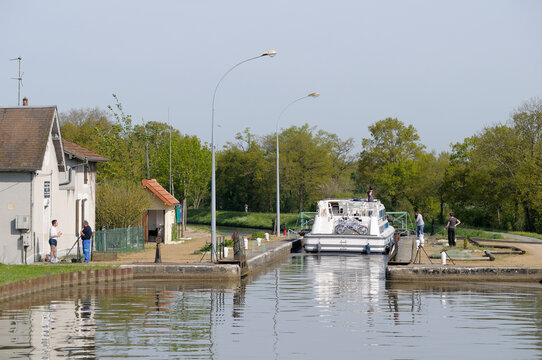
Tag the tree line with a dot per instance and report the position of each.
(490, 179)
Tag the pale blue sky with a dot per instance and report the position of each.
(447, 67)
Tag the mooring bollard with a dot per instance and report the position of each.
(246, 243)
(443, 257)
(266, 236)
(421, 239)
(259, 241)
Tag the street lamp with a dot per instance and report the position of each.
(269, 53)
(314, 95)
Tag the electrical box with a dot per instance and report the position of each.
(26, 239)
(22, 222)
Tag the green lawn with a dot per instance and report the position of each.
(240, 218)
(14, 273)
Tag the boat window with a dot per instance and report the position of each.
(370, 212)
(380, 214)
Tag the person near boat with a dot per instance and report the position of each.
(452, 223)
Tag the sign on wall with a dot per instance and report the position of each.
(46, 189)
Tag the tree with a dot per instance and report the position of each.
(388, 160)
(85, 126)
(120, 204)
(305, 165)
(242, 175)
(123, 146)
(342, 165)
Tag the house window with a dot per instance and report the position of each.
(86, 174)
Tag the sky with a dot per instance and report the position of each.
(449, 68)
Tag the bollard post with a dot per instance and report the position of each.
(443, 257)
(157, 256)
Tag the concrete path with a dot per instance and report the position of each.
(519, 238)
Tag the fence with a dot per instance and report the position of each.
(120, 240)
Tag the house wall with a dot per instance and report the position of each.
(62, 204)
(14, 200)
(169, 217)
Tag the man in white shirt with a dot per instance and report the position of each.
(419, 224)
(54, 234)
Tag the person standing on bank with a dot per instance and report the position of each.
(452, 223)
(419, 224)
(54, 234)
(370, 196)
(86, 235)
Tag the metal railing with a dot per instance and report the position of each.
(401, 221)
(304, 221)
(120, 240)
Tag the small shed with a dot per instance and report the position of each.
(161, 213)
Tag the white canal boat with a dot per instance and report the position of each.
(358, 226)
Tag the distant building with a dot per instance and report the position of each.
(161, 212)
(42, 177)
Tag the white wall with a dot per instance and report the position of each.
(169, 218)
(14, 200)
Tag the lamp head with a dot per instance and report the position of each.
(314, 94)
(270, 53)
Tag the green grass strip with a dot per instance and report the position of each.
(15, 273)
(240, 218)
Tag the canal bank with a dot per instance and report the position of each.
(257, 256)
(514, 259)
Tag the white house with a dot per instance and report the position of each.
(42, 178)
(161, 212)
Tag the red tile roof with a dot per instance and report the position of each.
(80, 152)
(160, 192)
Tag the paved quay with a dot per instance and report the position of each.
(508, 265)
(257, 256)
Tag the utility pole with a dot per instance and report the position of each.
(146, 148)
(170, 182)
(19, 79)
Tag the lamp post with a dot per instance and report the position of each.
(269, 53)
(314, 95)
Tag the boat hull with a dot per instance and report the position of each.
(348, 243)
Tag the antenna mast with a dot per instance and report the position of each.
(19, 79)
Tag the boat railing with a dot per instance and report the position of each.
(304, 222)
(401, 221)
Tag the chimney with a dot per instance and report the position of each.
(25, 101)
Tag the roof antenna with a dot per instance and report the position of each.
(19, 79)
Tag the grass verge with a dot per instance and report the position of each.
(15, 273)
(240, 218)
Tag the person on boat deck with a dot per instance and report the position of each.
(370, 196)
(419, 224)
(452, 223)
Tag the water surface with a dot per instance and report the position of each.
(308, 307)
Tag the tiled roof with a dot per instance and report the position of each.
(24, 132)
(160, 192)
(80, 152)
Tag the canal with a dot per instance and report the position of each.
(305, 307)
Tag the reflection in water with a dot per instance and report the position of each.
(309, 307)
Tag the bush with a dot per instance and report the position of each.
(120, 204)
